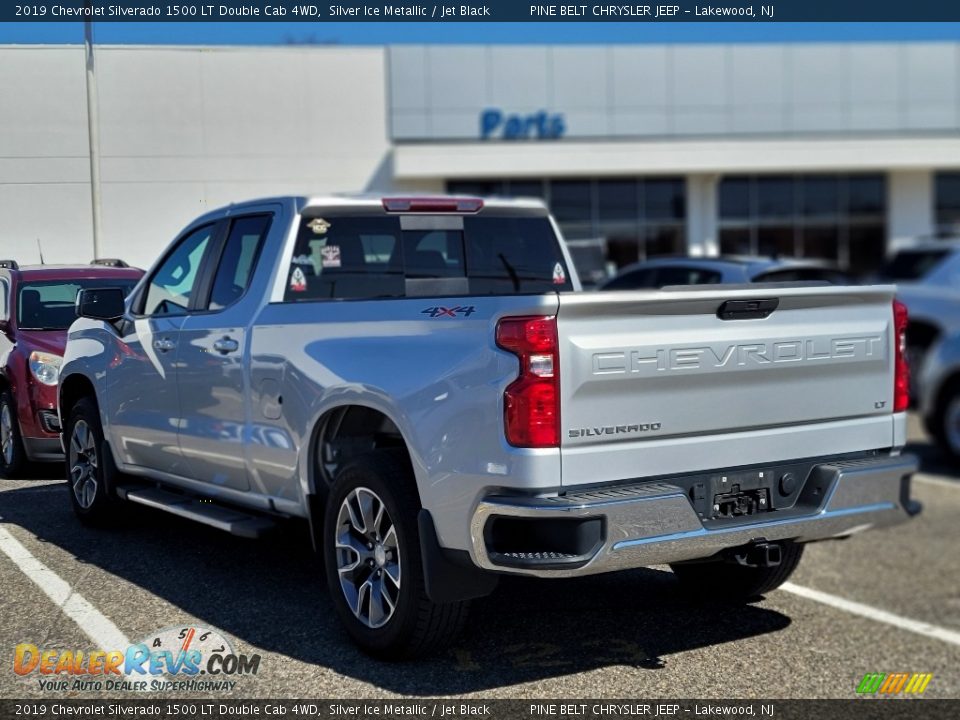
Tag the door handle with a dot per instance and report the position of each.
(226, 345)
(164, 344)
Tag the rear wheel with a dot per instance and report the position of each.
(373, 564)
(13, 457)
(728, 581)
(944, 423)
(90, 475)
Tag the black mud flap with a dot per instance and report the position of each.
(447, 577)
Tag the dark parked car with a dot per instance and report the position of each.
(665, 271)
(36, 308)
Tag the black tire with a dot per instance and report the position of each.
(87, 459)
(416, 625)
(940, 420)
(13, 456)
(716, 579)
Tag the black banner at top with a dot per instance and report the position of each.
(474, 11)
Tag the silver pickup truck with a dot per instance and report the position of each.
(420, 380)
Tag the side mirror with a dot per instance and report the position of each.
(101, 303)
(4, 327)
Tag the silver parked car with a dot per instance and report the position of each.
(928, 283)
(665, 271)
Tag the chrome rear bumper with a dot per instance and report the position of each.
(654, 523)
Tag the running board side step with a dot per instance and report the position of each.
(235, 522)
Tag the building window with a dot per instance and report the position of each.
(839, 218)
(605, 222)
(947, 200)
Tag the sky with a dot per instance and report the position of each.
(350, 33)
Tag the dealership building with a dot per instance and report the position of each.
(842, 151)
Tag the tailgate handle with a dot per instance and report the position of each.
(747, 309)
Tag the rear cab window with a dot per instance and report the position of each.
(341, 256)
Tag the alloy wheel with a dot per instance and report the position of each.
(951, 424)
(83, 464)
(368, 557)
(6, 434)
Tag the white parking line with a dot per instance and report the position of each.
(867, 611)
(35, 488)
(96, 626)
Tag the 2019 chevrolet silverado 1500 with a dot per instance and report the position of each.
(420, 380)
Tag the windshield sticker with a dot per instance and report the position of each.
(330, 255)
(302, 260)
(559, 276)
(319, 226)
(298, 281)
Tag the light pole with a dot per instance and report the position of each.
(93, 126)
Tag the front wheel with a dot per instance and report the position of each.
(729, 581)
(373, 565)
(87, 467)
(13, 457)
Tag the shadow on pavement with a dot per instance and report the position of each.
(269, 594)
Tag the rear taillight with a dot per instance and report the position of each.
(532, 401)
(901, 373)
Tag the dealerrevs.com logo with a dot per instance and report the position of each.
(173, 659)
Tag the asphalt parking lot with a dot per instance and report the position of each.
(629, 635)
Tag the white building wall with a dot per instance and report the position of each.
(44, 165)
(182, 130)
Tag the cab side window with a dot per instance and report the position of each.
(174, 282)
(4, 291)
(239, 257)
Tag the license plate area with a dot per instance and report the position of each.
(743, 495)
(740, 503)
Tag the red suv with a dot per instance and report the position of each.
(36, 308)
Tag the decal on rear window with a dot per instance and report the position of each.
(319, 226)
(298, 281)
(559, 275)
(330, 255)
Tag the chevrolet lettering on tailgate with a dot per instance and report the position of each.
(738, 356)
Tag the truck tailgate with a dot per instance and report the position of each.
(643, 371)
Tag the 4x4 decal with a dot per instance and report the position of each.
(462, 310)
